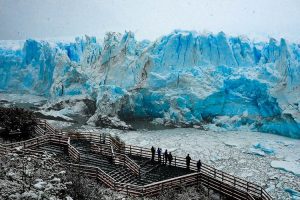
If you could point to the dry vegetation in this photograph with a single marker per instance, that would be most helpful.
(16, 124)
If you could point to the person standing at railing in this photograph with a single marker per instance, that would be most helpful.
(199, 164)
(165, 157)
(153, 153)
(170, 158)
(188, 161)
(159, 154)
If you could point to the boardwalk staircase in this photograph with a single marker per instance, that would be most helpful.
(128, 169)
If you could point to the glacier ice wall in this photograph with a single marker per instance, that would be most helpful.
(184, 78)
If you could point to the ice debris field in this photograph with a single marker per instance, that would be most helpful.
(183, 79)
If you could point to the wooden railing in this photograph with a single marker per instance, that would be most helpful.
(118, 145)
(122, 159)
(102, 149)
(4, 150)
(230, 180)
(238, 184)
(112, 147)
(129, 189)
(24, 147)
(132, 165)
(96, 172)
(210, 177)
(38, 141)
(39, 130)
(48, 128)
(73, 152)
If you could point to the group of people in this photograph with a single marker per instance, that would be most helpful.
(169, 157)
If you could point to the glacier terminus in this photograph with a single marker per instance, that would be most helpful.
(185, 79)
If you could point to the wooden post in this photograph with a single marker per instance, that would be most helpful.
(175, 161)
(222, 176)
(234, 181)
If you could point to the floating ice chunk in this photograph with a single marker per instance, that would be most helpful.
(231, 143)
(216, 157)
(295, 195)
(271, 188)
(246, 173)
(266, 149)
(288, 166)
(257, 152)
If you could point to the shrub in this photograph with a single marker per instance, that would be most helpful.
(16, 123)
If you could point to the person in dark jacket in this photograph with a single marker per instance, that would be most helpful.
(153, 153)
(159, 154)
(188, 161)
(170, 158)
(166, 157)
(199, 164)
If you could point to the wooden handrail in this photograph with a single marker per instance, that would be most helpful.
(227, 184)
(210, 171)
(113, 153)
(133, 165)
(129, 163)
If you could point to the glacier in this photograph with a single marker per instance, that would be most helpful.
(184, 79)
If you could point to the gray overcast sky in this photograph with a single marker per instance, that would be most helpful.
(21, 19)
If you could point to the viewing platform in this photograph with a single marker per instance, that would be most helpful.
(128, 169)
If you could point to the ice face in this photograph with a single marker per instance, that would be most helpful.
(183, 78)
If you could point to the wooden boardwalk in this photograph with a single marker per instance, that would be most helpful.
(128, 169)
